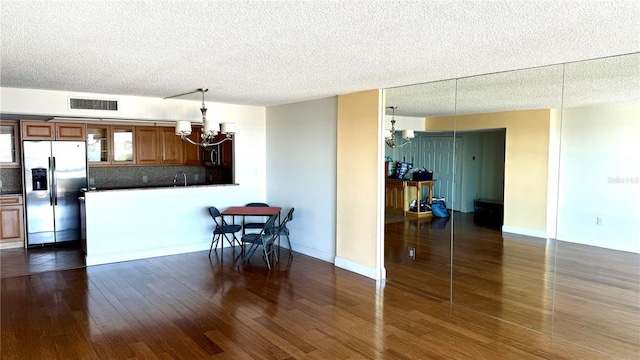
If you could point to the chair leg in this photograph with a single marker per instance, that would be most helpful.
(266, 256)
(289, 244)
(231, 242)
(214, 240)
(249, 253)
(275, 253)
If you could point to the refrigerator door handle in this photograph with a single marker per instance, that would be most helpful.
(50, 182)
(54, 183)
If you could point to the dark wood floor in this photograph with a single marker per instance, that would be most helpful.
(16, 262)
(585, 294)
(191, 307)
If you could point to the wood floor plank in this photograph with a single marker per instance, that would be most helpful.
(192, 307)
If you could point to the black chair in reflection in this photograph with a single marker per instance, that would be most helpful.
(282, 229)
(265, 238)
(222, 230)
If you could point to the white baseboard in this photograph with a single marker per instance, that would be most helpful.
(524, 231)
(357, 268)
(99, 259)
(309, 251)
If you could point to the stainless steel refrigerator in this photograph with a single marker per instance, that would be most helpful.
(54, 173)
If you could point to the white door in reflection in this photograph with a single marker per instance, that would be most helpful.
(438, 154)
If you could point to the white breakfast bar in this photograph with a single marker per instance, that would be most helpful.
(129, 224)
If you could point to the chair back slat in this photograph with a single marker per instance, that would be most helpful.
(270, 224)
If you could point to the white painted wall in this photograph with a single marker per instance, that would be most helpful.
(600, 177)
(301, 172)
(56, 104)
(135, 224)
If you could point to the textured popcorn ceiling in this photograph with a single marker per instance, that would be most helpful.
(267, 52)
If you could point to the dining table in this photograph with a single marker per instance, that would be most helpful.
(243, 211)
(234, 211)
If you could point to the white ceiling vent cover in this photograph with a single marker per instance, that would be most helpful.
(93, 104)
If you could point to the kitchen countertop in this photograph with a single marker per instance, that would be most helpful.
(157, 187)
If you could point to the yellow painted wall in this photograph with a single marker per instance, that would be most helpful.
(526, 160)
(357, 164)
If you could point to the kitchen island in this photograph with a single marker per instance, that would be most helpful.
(129, 224)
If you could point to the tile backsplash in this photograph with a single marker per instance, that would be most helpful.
(135, 176)
(11, 179)
(117, 177)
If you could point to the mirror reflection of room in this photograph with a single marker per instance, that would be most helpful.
(527, 240)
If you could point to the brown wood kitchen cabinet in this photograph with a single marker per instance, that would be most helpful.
(11, 221)
(147, 145)
(192, 153)
(158, 146)
(227, 153)
(41, 130)
(171, 147)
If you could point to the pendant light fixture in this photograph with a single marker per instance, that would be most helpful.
(210, 128)
(391, 138)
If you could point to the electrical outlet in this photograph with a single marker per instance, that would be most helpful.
(599, 220)
(144, 178)
(412, 253)
(92, 181)
(195, 177)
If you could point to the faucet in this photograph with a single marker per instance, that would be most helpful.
(175, 178)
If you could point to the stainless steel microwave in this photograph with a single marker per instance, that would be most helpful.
(212, 156)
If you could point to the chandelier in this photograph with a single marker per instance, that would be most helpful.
(210, 128)
(390, 135)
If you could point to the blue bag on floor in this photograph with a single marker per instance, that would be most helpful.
(439, 208)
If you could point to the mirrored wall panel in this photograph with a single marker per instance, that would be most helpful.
(418, 245)
(502, 263)
(541, 179)
(597, 282)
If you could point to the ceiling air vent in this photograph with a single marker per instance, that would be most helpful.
(93, 104)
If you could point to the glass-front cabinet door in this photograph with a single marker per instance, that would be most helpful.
(109, 145)
(123, 151)
(98, 144)
(9, 148)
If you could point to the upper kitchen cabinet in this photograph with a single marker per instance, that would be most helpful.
(122, 144)
(40, 130)
(171, 147)
(110, 145)
(192, 153)
(147, 145)
(226, 153)
(9, 144)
